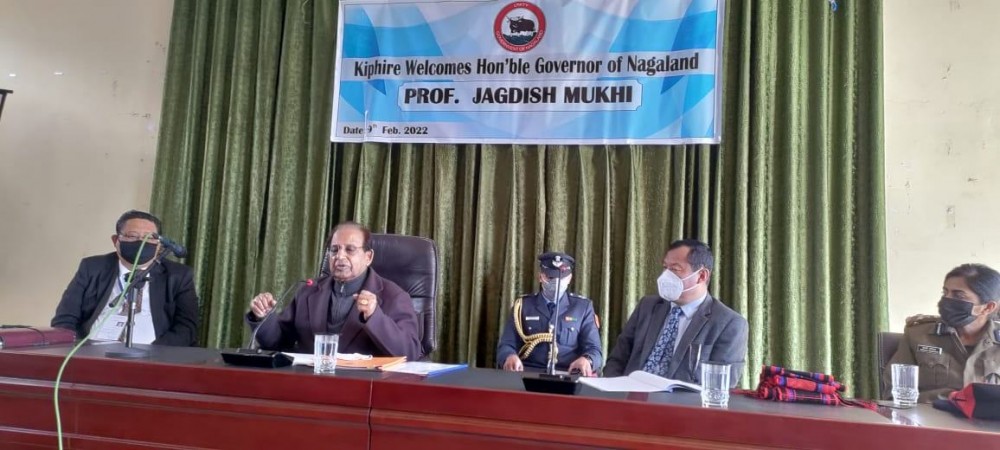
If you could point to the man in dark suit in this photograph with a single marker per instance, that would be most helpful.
(371, 314)
(167, 313)
(671, 334)
(526, 339)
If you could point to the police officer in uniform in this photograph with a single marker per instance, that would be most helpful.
(526, 338)
(962, 344)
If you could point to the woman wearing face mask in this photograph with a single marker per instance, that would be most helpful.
(960, 346)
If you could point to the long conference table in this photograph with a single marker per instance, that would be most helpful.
(189, 398)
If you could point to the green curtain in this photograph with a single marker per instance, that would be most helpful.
(791, 202)
(243, 157)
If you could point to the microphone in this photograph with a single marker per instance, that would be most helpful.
(139, 277)
(554, 325)
(253, 356)
(549, 382)
(177, 249)
(277, 304)
(129, 291)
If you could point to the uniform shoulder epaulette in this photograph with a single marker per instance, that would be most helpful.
(578, 296)
(921, 319)
(519, 298)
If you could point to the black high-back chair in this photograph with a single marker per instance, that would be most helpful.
(410, 262)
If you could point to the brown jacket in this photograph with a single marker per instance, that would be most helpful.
(390, 331)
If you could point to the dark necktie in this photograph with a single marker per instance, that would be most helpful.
(663, 351)
(137, 292)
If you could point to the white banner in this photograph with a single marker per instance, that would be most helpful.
(541, 72)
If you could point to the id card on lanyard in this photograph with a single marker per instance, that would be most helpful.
(114, 327)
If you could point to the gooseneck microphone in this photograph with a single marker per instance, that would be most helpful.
(253, 356)
(549, 382)
(131, 293)
(554, 325)
(177, 249)
(278, 304)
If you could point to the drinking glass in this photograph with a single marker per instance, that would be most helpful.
(325, 354)
(714, 384)
(904, 385)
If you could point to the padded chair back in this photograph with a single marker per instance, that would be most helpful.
(888, 342)
(410, 262)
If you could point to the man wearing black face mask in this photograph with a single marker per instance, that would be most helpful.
(166, 306)
(526, 339)
(962, 345)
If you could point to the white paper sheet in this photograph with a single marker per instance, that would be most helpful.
(425, 368)
(639, 381)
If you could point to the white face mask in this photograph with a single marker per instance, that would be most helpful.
(671, 286)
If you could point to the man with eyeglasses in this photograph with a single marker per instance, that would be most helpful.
(167, 313)
(372, 315)
(672, 333)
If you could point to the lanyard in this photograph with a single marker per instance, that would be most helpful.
(138, 299)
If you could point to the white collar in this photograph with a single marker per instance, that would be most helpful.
(123, 269)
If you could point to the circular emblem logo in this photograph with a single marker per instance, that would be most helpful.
(519, 26)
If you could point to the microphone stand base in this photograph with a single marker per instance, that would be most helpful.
(252, 357)
(552, 384)
(128, 353)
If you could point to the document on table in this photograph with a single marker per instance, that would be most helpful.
(428, 369)
(306, 359)
(639, 381)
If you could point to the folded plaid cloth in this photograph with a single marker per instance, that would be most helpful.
(804, 385)
(802, 381)
(784, 385)
(767, 391)
(814, 376)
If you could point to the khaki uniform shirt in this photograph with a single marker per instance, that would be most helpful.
(983, 365)
(945, 364)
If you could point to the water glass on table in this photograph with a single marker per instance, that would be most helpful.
(325, 353)
(904, 385)
(714, 384)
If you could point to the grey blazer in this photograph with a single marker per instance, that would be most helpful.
(721, 332)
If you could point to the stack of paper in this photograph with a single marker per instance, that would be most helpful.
(428, 369)
(639, 381)
(306, 359)
(376, 363)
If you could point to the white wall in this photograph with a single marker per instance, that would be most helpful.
(942, 69)
(76, 149)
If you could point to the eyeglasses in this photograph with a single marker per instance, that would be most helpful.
(133, 237)
(350, 250)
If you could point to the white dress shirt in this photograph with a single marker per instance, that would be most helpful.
(114, 326)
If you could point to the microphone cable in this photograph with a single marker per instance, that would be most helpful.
(97, 326)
